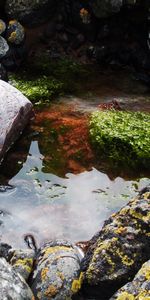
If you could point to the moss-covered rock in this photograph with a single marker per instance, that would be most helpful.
(117, 252)
(124, 137)
(57, 273)
(139, 288)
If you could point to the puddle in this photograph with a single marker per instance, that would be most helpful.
(50, 183)
(49, 207)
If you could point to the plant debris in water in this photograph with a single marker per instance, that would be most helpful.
(122, 136)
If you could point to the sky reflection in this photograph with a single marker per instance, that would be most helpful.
(49, 207)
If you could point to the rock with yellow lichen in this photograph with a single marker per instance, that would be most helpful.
(57, 272)
(139, 288)
(22, 262)
(15, 32)
(117, 252)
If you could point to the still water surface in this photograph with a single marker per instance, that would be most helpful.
(49, 206)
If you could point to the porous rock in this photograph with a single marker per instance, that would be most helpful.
(12, 285)
(30, 12)
(117, 252)
(57, 273)
(22, 262)
(15, 112)
(139, 288)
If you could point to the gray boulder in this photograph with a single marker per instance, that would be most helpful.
(139, 288)
(12, 285)
(15, 112)
(30, 12)
(117, 252)
(57, 273)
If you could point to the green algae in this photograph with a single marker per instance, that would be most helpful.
(123, 137)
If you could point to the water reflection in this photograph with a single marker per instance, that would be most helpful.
(48, 206)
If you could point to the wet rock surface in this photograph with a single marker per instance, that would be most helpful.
(12, 285)
(119, 249)
(57, 273)
(139, 288)
(15, 112)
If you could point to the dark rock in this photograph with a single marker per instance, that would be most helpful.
(57, 273)
(14, 57)
(78, 41)
(16, 109)
(3, 73)
(105, 8)
(119, 249)
(139, 288)
(12, 285)
(30, 13)
(5, 251)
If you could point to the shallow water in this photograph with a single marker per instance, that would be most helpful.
(51, 185)
(49, 206)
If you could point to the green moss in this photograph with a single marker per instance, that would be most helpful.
(35, 89)
(42, 79)
(123, 137)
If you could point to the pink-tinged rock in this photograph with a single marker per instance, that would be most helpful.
(15, 113)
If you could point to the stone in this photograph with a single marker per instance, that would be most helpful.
(117, 252)
(2, 26)
(5, 251)
(139, 288)
(15, 32)
(3, 73)
(22, 262)
(3, 47)
(28, 12)
(57, 272)
(15, 56)
(12, 285)
(105, 8)
(15, 112)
